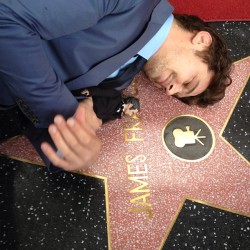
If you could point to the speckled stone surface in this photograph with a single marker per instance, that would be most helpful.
(237, 131)
(237, 36)
(39, 210)
(200, 226)
(145, 184)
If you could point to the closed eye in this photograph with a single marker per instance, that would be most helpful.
(187, 83)
(189, 91)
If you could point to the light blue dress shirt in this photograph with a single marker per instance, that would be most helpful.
(152, 46)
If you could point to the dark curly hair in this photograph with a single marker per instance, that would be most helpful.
(216, 57)
(134, 101)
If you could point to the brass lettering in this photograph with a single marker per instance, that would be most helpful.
(139, 188)
(135, 158)
(134, 87)
(143, 210)
(133, 138)
(138, 169)
(134, 127)
(143, 201)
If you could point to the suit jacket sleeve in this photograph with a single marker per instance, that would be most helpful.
(24, 67)
(97, 91)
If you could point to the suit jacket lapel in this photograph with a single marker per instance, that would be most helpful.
(107, 67)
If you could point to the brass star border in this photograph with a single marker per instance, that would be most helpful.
(200, 202)
(232, 111)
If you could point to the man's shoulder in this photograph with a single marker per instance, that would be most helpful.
(121, 5)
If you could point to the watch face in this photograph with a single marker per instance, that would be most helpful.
(188, 138)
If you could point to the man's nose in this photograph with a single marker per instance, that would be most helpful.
(173, 88)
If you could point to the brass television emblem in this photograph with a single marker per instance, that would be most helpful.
(189, 138)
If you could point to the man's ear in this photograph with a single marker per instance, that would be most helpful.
(202, 39)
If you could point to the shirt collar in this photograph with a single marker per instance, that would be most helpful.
(157, 40)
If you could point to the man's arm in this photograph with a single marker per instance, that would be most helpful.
(24, 67)
(104, 92)
(25, 70)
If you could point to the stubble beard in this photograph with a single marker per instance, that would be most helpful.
(153, 68)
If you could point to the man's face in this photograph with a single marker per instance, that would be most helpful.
(178, 72)
(129, 111)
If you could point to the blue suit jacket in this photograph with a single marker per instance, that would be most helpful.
(50, 47)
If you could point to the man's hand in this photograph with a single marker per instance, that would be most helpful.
(75, 138)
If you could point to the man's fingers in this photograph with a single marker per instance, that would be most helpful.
(68, 137)
(88, 141)
(79, 145)
(54, 157)
(58, 139)
(65, 141)
(83, 134)
(75, 139)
